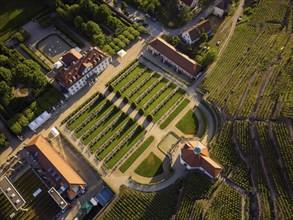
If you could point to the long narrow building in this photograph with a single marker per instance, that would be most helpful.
(169, 54)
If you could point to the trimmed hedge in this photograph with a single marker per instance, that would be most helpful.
(35, 57)
(69, 34)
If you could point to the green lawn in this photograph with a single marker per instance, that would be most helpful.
(159, 99)
(14, 13)
(134, 84)
(188, 124)
(113, 115)
(127, 129)
(99, 102)
(174, 114)
(126, 147)
(151, 166)
(129, 77)
(167, 106)
(144, 87)
(136, 154)
(151, 93)
(104, 110)
(110, 133)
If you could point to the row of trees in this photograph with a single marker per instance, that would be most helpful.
(16, 72)
(3, 140)
(79, 15)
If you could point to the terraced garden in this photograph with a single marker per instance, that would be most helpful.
(146, 91)
(39, 207)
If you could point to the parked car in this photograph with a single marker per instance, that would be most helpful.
(145, 24)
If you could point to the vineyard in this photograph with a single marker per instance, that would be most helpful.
(40, 207)
(252, 85)
(225, 205)
(138, 205)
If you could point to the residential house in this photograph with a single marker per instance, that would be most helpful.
(56, 167)
(192, 35)
(80, 68)
(169, 54)
(194, 155)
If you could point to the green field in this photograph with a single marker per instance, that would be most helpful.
(14, 13)
(188, 124)
(136, 154)
(151, 166)
(174, 114)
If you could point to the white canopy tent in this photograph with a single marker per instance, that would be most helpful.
(121, 53)
(57, 65)
(39, 121)
(93, 201)
(54, 132)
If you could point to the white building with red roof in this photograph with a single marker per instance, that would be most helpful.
(194, 155)
(80, 68)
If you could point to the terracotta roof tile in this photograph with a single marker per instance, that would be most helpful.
(175, 56)
(73, 71)
(201, 27)
(68, 173)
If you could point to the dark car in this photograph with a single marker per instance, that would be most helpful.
(145, 24)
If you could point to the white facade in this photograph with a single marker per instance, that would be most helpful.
(218, 11)
(194, 168)
(165, 59)
(186, 38)
(87, 73)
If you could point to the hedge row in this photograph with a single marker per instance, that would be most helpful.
(35, 57)
(69, 34)
(80, 107)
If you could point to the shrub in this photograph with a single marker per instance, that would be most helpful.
(118, 94)
(125, 100)
(150, 118)
(35, 57)
(133, 105)
(110, 88)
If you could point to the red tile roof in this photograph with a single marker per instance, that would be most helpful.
(201, 27)
(76, 64)
(201, 159)
(67, 172)
(175, 56)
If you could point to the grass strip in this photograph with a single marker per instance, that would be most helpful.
(134, 84)
(143, 88)
(174, 114)
(86, 114)
(128, 78)
(129, 127)
(167, 106)
(136, 154)
(128, 145)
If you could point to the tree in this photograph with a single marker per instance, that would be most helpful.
(5, 75)
(175, 41)
(124, 6)
(16, 128)
(22, 120)
(204, 37)
(115, 2)
(4, 60)
(78, 21)
(104, 12)
(185, 14)
(3, 140)
(207, 58)
(5, 92)
(151, 9)
(98, 39)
